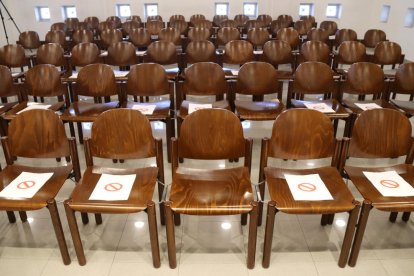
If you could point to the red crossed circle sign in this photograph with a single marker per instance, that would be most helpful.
(113, 187)
(25, 184)
(389, 183)
(307, 187)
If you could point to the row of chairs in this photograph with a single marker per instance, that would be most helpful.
(210, 134)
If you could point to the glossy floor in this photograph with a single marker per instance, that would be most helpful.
(205, 245)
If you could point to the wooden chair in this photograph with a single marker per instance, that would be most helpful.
(307, 134)
(93, 22)
(154, 27)
(196, 17)
(164, 53)
(289, 35)
(135, 18)
(116, 19)
(310, 18)
(29, 40)
(314, 51)
(228, 23)
(403, 84)
(372, 37)
(240, 20)
(318, 34)
(218, 19)
(238, 52)
(39, 134)
(13, 56)
(121, 54)
(250, 24)
(109, 37)
(388, 54)
(379, 133)
(154, 18)
(151, 80)
(277, 25)
(199, 51)
(59, 26)
(349, 52)
(141, 38)
(82, 36)
(71, 24)
(84, 54)
(105, 25)
(128, 26)
(180, 25)
(206, 24)
(53, 53)
(330, 26)
(198, 34)
(286, 18)
(171, 35)
(227, 34)
(8, 88)
(257, 79)
(58, 37)
(211, 134)
(302, 27)
(279, 53)
(108, 130)
(344, 35)
(265, 18)
(258, 37)
(176, 17)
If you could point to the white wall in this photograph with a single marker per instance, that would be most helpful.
(359, 15)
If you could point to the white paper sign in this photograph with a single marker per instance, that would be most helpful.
(321, 107)
(307, 187)
(146, 109)
(31, 106)
(234, 72)
(390, 183)
(25, 185)
(74, 76)
(118, 73)
(258, 52)
(367, 106)
(140, 53)
(113, 187)
(194, 107)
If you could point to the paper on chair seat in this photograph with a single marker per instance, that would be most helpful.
(234, 72)
(74, 76)
(118, 73)
(140, 53)
(258, 52)
(321, 107)
(146, 109)
(26, 185)
(367, 106)
(113, 187)
(194, 107)
(390, 183)
(31, 106)
(307, 187)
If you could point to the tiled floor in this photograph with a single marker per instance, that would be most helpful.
(205, 245)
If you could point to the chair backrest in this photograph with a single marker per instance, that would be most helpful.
(313, 78)
(199, 51)
(179, 25)
(302, 26)
(84, 26)
(207, 24)
(228, 23)
(240, 19)
(8, 86)
(380, 133)
(82, 36)
(135, 18)
(204, 78)
(345, 35)
(196, 17)
(277, 52)
(121, 54)
(37, 134)
(307, 134)
(257, 78)
(258, 36)
(197, 34)
(315, 51)
(318, 34)
(13, 56)
(217, 19)
(154, 18)
(238, 52)
(350, 52)
(29, 40)
(154, 26)
(211, 134)
(289, 35)
(373, 36)
(84, 54)
(330, 26)
(250, 24)
(92, 21)
(122, 134)
(56, 37)
(140, 37)
(51, 53)
(387, 53)
(106, 25)
(129, 25)
(96, 80)
(277, 25)
(162, 52)
(265, 18)
(285, 17)
(116, 19)
(309, 18)
(177, 17)
(43, 80)
(147, 79)
(110, 36)
(404, 79)
(59, 26)
(171, 35)
(227, 34)
(72, 24)
(364, 78)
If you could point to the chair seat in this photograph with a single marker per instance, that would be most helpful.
(258, 111)
(280, 193)
(284, 75)
(407, 106)
(86, 112)
(161, 111)
(141, 193)
(7, 106)
(370, 193)
(355, 109)
(39, 200)
(224, 104)
(11, 113)
(340, 110)
(211, 192)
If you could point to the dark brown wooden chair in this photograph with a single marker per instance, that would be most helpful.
(258, 37)
(171, 35)
(290, 35)
(176, 17)
(227, 34)
(286, 18)
(151, 80)
(197, 34)
(39, 134)
(92, 22)
(206, 24)
(13, 56)
(154, 18)
(310, 18)
(180, 25)
(199, 51)
(58, 37)
(29, 40)
(211, 134)
(154, 27)
(106, 25)
(217, 19)
(314, 51)
(330, 26)
(164, 53)
(109, 37)
(84, 54)
(250, 24)
(136, 18)
(307, 134)
(59, 26)
(95, 81)
(349, 52)
(238, 52)
(82, 36)
(240, 20)
(121, 54)
(228, 23)
(258, 79)
(141, 38)
(53, 53)
(196, 17)
(387, 53)
(379, 133)
(85, 26)
(279, 53)
(116, 19)
(71, 24)
(344, 35)
(128, 26)
(277, 25)
(318, 34)
(134, 130)
(8, 88)
(302, 27)
(403, 84)
(373, 36)
(265, 18)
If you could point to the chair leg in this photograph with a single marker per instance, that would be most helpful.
(324, 219)
(270, 223)
(349, 235)
(251, 244)
(85, 218)
(406, 216)
(57, 225)
(74, 231)
(260, 214)
(11, 216)
(177, 219)
(362, 224)
(23, 216)
(160, 193)
(98, 218)
(169, 225)
(72, 129)
(152, 225)
(169, 132)
(393, 216)
(331, 218)
(243, 219)
(80, 132)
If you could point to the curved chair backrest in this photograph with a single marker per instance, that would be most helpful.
(72, 24)
(110, 36)
(265, 18)
(179, 25)
(227, 34)
(116, 19)
(196, 17)
(84, 54)
(56, 37)
(135, 18)
(241, 19)
(404, 79)
(140, 37)
(162, 52)
(289, 35)
(82, 36)
(258, 36)
(121, 54)
(364, 78)
(92, 21)
(238, 52)
(129, 25)
(204, 78)
(285, 17)
(59, 26)
(373, 36)
(13, 56)
(318, 34)
(345, 35)
(350, 52)
(257, 78)
(277, 25)
(228, 23)
(171, 35)
(302, 26)
(330, 26)
(96, 80)
(51, 53)
(43, 80)
(147, 79)
(387, 53)
(154, 26)
(277, 52)
(7, 87)
(177, 17)
(314, 78)
(315, 51)
(29, 40)
(199, 51)
(154, 18)
(197, 34)
(217, 19)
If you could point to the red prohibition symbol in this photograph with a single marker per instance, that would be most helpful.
(307, 187)
(113, 187)
(389, 183)
(25, 185)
